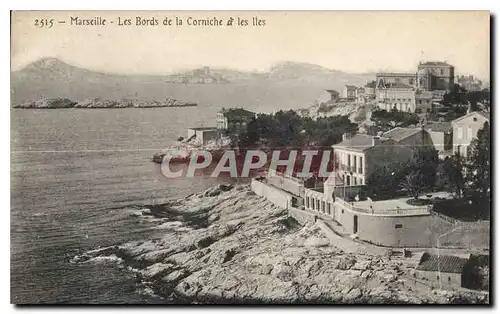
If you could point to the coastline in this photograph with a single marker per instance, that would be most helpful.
(98, 103)
(228, 245)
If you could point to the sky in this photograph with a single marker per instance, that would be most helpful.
(362, 41)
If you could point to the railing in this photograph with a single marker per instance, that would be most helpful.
(407, 211)
(313, 193)
(282, 175)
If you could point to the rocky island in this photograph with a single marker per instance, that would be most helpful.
(228, 245)
(98, 103)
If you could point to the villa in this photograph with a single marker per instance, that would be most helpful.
(356, 157)
(465, 130)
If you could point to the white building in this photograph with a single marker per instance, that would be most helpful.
(465, 130)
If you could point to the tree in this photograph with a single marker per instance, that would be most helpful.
(479, 163)
(386, 120)
(454, 175)
(456, 96)
(425, 162)
(384, 181)
(413, 183)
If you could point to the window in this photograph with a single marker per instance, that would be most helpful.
(323, 206)
(449, 279)
(329, 208)
(354, 163)
(312, 204)
(469, 133)
(342, 211)
(307, 202)
(460, 133)
(317, 205)
(355, 181)
(360, 164)
(398, 226)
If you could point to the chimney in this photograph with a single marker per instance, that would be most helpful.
(345, 137)
(375, 140)
(468, 108)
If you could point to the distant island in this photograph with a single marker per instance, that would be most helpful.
(197, 76)
(98, 103)
(295, 84)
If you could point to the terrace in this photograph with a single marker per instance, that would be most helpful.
(392, 207)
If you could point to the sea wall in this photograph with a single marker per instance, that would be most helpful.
(395, 231)
(274, 195)
(348, 245)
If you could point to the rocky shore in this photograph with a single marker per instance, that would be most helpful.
(228, 245)
(98, 103)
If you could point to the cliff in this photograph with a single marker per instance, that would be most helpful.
(228, 245)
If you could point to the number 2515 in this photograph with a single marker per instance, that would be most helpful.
(48, 23)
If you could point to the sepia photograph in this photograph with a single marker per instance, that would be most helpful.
(250, 157)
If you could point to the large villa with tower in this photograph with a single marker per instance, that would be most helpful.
(402, 91)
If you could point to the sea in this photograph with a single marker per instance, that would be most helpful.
(74, 173)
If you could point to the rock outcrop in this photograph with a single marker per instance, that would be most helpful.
(98, 103)
(48, 103)
(228, 245)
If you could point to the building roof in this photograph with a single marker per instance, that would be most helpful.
(350, 86)
(442, 263)
(432, 63)
(360, 142)
(237, 112)
(332, 91)
(483, 114)
(438, 126)
(399, 134)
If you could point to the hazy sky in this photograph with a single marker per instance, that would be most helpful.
(348, 41)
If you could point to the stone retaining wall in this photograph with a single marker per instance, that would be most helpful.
(348, 245)
(302, 216)
(274, 195)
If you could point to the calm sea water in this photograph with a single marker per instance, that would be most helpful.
(72, 174)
